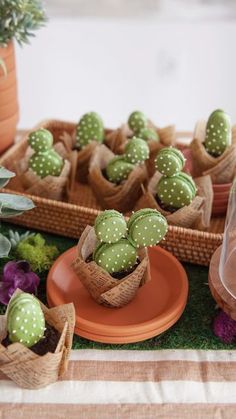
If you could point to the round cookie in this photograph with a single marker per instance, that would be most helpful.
(40, 140)
(115, 257)
(137, 121)
(218, 133)
(149, 134)
(25, 320)
(46, 163)
(147, 227)
(169, 161)
(176, 191)
(136, 151)
(118, 169)
(110, 226)
(89, 128)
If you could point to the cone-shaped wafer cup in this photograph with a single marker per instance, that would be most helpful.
(120, 197)
(32, 371)
(102, 287)
(197, 212)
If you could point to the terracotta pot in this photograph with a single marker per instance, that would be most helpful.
(8, 98)
(9, 110)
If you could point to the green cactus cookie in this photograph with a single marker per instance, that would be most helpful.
(45, 161)
(147, 227)
(89, 128)
(115, 257)
(169, 161)
(218, 133)
(136, 151)
(110, 226)
(118, 169)
(176, 191)
(149, 134)
(25, 320)
(137, 121)
(40, 140)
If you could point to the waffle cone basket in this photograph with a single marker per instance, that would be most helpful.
(120, 197)
(32, 371)
(102, 287)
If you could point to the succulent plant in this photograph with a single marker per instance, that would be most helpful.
(15, 238)
(10, 206)
(45, 161)
(19, 19)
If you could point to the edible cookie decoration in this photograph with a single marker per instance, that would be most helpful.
(110, 226)
(149, 134)
(118, 251)
(175, 189)
(136, 151)
(89, 128)
(218, 133)
(147, 227)
(118, 169)
(137, 121)
(169, 161)
(25, 320)
(116, 257)
(45, 161)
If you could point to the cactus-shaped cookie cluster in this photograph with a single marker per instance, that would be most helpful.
(89, 128)
(218, 133)
(138, 123)
(25, 320)
(175, 189)
(45, 160)
(118, 241)
(119, 168)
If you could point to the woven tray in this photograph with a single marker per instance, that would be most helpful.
(70, 219)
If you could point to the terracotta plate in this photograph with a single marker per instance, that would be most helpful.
(155, 308)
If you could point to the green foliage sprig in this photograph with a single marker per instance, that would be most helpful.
(19, 19)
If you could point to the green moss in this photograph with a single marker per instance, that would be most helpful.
(192, 331)
(35, 250)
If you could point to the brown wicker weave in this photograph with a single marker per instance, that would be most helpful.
(70, 219)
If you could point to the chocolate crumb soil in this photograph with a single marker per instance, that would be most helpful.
(117, 275)
(47, 344)
(165, 207)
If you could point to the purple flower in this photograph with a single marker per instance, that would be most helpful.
(17, 275)
(224, 327)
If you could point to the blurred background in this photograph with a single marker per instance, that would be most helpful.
(172, 59)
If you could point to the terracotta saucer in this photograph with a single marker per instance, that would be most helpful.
(155, 308)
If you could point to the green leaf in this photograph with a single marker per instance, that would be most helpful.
(5, 176)
(15, 202)
(5, 246)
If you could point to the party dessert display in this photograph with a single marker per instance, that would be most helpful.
(173, 192)
(117, 180)
(45, 160)
(35, 341)
(45, 168)
(112, 259)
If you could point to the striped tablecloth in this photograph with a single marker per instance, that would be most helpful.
(132, 384)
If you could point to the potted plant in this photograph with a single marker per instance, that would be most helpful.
(18, 20)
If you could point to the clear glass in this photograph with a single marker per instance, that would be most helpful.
(227, 267)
